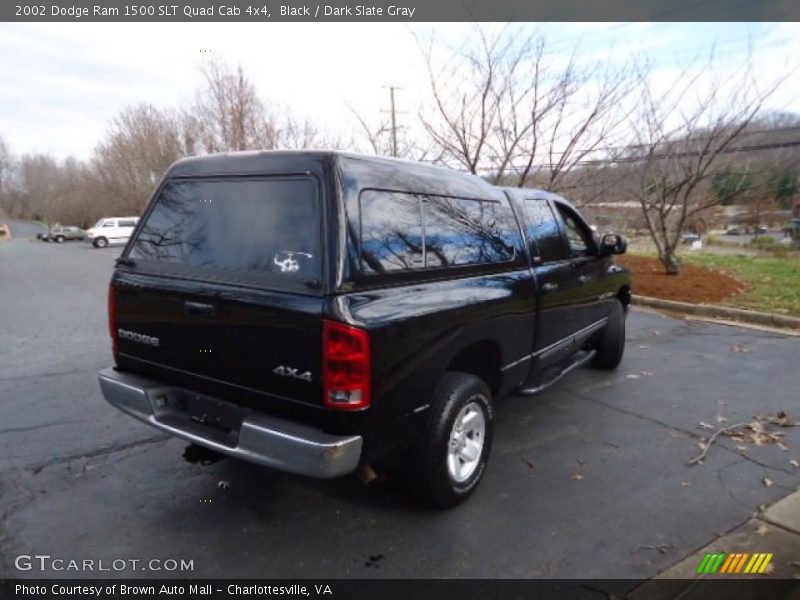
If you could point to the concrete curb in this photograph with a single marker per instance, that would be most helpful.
(776, 530)
(720, 312)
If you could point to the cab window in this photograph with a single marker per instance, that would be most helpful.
(579, 237)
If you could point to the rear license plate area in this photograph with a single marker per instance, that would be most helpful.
(209, 417)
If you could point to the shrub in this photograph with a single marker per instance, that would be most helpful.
(764, 240)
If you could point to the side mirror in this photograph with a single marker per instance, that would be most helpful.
(613, 244)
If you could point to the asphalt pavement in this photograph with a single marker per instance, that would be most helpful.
(589, 479)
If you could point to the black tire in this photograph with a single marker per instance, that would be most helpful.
(611, 344)
(60, 239)
(100, 242)
(457, 394)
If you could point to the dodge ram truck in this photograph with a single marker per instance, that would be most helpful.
(317, 312)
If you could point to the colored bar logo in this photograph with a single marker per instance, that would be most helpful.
(736, 562)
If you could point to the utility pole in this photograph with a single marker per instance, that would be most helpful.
(394, 123)
(393, 112)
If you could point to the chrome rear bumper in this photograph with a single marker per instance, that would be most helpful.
(230, 429)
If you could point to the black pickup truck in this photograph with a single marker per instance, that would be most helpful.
(319, 311)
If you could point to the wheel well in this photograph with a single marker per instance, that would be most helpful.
(482, 359)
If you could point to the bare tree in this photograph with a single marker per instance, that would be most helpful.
(681, 133)
(40, 189)
(376, 137)
(294, 133)
(228, 113)
(139, 146)
(504, 107)
(6, 165)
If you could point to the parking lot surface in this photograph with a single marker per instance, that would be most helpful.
(589, 479)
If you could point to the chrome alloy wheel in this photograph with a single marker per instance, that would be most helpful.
(466, 442)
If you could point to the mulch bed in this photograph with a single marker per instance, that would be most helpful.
(695, 284)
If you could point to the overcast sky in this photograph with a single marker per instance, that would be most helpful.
(61, 83)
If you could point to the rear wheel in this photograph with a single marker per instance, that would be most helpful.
(611, 344)
(60, 239)
(451, 457)
(100, 242)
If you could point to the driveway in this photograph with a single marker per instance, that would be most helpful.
(589, 479)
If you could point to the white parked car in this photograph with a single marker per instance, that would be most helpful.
(112, 230)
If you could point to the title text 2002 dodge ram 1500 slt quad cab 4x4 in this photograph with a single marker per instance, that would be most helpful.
(317, 311)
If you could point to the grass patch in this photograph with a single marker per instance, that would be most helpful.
(775, 281)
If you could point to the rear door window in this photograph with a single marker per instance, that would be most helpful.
(243, 228)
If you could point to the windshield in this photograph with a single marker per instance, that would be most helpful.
(99, 223)
(242, 225)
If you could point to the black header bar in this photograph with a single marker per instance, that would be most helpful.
(398, 10)
(394, 589)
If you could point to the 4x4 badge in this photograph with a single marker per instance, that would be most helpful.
(290, 372)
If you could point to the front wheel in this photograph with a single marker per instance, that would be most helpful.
(611, 344)
(100, 242)
(60, 239)
(451, 457)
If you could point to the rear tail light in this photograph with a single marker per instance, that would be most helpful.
(112, 316)
(345, 366)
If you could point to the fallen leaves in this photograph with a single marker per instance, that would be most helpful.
(795, 464)
(781, 419)
(767, 482)
(738, 348)
(758, 434)
(577, 476)
(762, 530)
(755, 432)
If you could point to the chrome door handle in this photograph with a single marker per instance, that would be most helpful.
(549, 287)
(583, 278)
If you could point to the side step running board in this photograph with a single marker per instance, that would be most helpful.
(579, 360)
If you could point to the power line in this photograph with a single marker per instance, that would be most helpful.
(641, 158)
